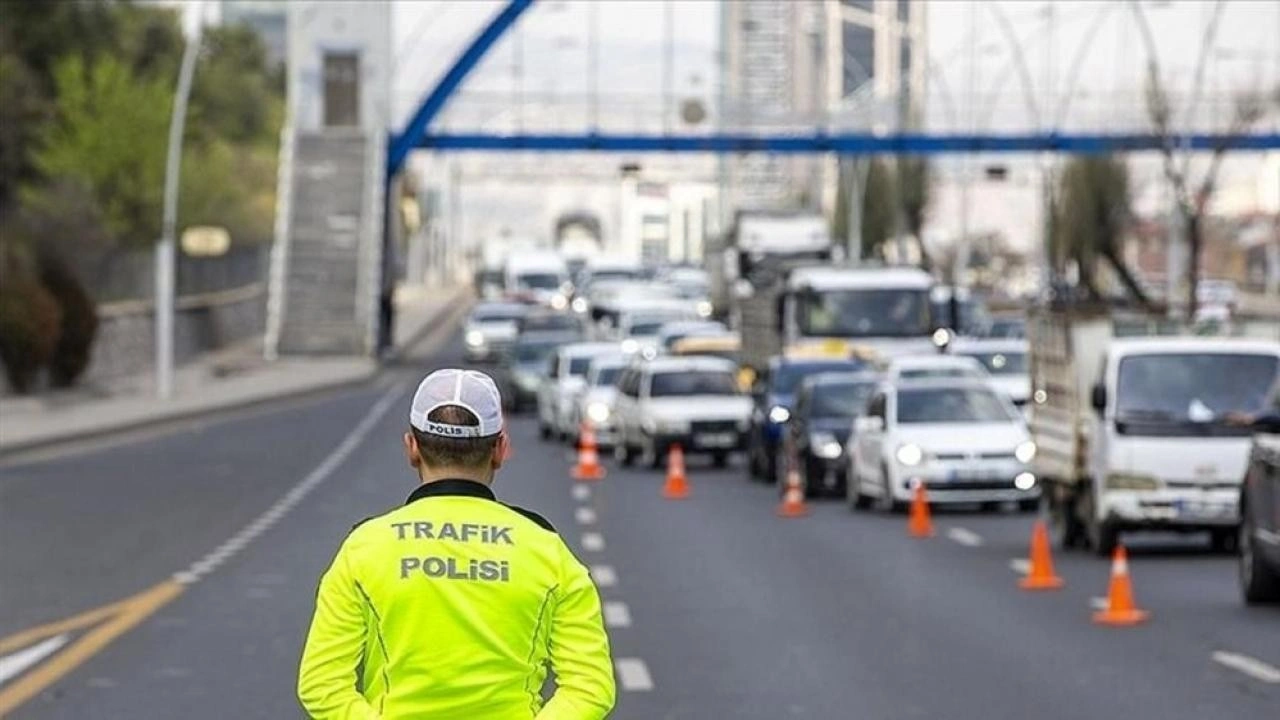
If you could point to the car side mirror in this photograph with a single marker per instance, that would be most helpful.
(1098, 398)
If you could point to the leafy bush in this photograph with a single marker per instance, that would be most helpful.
(29, 321)
(79, 322)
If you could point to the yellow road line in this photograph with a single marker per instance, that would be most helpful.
(122, 617)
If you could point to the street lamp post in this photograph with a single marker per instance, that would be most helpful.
(165, 252)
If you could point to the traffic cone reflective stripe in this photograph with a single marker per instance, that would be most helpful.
(919, 523)
(588, 467)
(677, 485)
(793, 504)
(1121, 609)
(1041, 575)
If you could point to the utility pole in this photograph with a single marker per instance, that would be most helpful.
(165, 248)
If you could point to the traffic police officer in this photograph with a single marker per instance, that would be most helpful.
(453, 605)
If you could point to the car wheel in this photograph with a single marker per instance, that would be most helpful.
(544, 431)
(753, 463)
(720, 459)
(1224, 541)
(1066, 524)
(772, 467)
(1259, 582)
(649, 456)
(886, 502)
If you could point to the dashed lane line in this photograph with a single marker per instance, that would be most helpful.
(16, 663)
(1252, 667)
(633, 675)
(604, 575)
(1022, 566)
(965, 537)
(581, 492)
(617, 614)
(290, 500)
(592, 541)
(585, 516)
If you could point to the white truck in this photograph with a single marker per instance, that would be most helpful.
(869, 312)
(1139, 432)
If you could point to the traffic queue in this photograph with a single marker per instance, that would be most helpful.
(1086, 417)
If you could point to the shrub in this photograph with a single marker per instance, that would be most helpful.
(29, 321)
(79, 321)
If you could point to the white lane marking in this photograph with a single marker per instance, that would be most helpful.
(968, 538)
(604, 575)
(617, 614)
(1252, 667)
(585, 516)
(633, 675)
(1022, 566)
(581, 492)
(1099, 603)
(289, 500)
(592, 541)
(15, 664)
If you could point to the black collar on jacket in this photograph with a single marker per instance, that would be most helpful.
(451, 487)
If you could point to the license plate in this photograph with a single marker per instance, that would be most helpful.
(966, 474)
(716, 440)
(1200, 509)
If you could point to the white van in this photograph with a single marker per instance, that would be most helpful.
(538, 275)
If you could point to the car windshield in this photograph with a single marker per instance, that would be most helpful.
(693, 382)
(787, 376)
(617, 274)
(539, 281)
(526, 353)
(497, 316)
(607, 376)
(549, 322)
(1176, 393)
(1007, 328)
(578, 366)
(840, 400)
(646, 325)
(1002, 363)
(937, 372)
(951, 405)
(864, 313)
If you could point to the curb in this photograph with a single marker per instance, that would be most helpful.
(448, 314)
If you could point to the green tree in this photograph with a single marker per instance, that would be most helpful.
(1091, 216)
(879, 207)
(110, 134)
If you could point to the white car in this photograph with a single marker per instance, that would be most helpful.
(965, 441)
(491, 329)
(639, 324)
(595, 403)
(1005, 361)
(924, 367)
(566, 376)
(690, 401)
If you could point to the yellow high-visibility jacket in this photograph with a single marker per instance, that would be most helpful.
(452, 606)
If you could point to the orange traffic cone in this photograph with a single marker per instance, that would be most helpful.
(919, 523)
(1041, 576)
(1120, 609)
(793, 504)
(588, 467)
(677, 485)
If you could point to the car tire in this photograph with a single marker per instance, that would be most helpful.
(544, 431)
(886, 502)
(1067, 529)
(649, 456)
(1259, 582)
(720, 460)
(623, 453)
(771, 464)
(1224, 541)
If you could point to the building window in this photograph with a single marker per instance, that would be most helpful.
(904, 11)
(859, 55)
(868, 5)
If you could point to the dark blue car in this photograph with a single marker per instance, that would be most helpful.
(774, 393)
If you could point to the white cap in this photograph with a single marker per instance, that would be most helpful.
(472, 391)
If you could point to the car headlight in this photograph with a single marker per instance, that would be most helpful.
(559, 302)
(579, 305)
(704, 308)
(475, 338)
(910, 454)
(598, 412)
(779, 414)
(1131, 481)
(527, 381)
(1024, 481)
(825, 446)
(1025, 452)
(630, 345)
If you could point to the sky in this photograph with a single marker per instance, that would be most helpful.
(974, 78)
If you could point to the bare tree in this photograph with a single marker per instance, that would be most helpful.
(913, 194)
(1191, 199)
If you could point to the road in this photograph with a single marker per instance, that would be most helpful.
(718, 608)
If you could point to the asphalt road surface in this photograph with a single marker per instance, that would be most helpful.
(214, 533)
